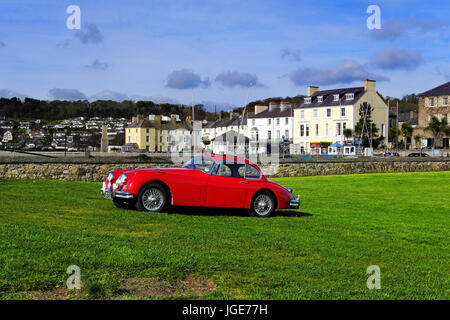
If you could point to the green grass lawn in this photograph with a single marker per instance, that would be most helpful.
(399, 222)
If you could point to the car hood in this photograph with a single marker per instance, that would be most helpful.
(162, 170)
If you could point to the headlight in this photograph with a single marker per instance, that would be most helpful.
(122, 179)
(289, 190)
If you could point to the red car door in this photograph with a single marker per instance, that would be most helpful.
(227, 187)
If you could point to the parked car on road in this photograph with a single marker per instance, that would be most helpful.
(391, 154)
(204, 181)
(418, 154)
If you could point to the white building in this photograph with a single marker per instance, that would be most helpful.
(323, 116)
(212, 130)
(7, 137)
(270, 125)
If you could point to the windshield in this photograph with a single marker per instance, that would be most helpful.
(200, 163)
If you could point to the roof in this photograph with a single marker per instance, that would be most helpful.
(231, 135)
(274, 113)
(406, 117)
(441, 90)
(328, 97)
(157, 125)
(217, 157)
(234, 121)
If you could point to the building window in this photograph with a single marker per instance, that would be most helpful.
(160, 139)
(326, 129)
(302, 130)
(147, 130)
(342, 112)
(147, 138)
(328, 113)
(302, 114)
(286, 120)
(349, 96)
(344, 125)
(336, 97)
(315, 113)
(307, 130)
(253, 122)
(445, 101)
(278, 121)
(278, 134)
(269, 135)
(431, 100)
(317, 130)
(286, 134)
(269, 121)
(136, 139)
(129, 139)
(320, 99)
(307, 100)
(338, 129)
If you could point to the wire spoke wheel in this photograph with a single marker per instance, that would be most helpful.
(152, 199)
(263, 204)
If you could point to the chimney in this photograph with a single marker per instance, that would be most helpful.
(285, 105)
(188, 118)
(158, 119)
(231, 115)
(273, 105)
(220, 115)
(260, 108)
(173, 118)
(312, 89)
(370, 85)
(138, 117)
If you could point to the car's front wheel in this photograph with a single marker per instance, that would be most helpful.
(263, 204)
(152, 198)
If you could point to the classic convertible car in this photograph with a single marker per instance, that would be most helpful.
(204, 181)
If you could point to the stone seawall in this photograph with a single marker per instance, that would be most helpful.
(91, 170)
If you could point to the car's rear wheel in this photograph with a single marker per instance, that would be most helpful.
(120, 203)
(152, 198)
(263, 204)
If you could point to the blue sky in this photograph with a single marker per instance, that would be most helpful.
(160, 50)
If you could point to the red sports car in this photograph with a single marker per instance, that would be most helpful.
(204, 181)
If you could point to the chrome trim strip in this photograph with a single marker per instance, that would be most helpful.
(123, 195)
(295, 204)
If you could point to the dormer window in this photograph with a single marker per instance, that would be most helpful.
(335, 97)
(320, 99)
(349, 96)
(307, 100)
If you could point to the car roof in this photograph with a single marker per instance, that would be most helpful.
(217, 157)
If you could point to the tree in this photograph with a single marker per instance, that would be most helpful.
(365, 126)
(407, 131)
(394, 132)
(348, 133)
(437, 128)
(417, 139)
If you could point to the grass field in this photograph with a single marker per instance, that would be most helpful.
(399, 222)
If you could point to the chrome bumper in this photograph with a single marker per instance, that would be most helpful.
(110, 194)
(295, 204)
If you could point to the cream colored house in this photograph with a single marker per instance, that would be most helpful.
(320, 120)
(155, 135)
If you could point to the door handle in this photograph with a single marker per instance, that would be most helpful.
(244, 182)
